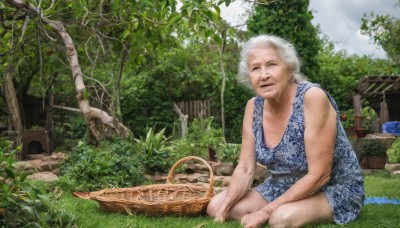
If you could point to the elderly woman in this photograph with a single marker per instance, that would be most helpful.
(293, 127)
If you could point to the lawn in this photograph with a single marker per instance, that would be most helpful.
(378, 184)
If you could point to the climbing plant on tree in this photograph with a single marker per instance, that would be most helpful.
(291, 20)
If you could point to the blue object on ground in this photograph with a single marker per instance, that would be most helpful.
(392, 127)
(381, 200)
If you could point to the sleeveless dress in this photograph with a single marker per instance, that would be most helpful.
(287, 161)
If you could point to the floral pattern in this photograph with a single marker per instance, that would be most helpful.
(287, 161)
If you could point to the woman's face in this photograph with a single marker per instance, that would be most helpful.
(269, 75)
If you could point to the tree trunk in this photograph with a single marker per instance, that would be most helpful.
(117, 84)
(12, 104)
(222, 65)
(183, 119)
(98, 121)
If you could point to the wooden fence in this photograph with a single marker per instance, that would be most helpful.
(197, 109)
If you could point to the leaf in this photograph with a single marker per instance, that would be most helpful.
(175, 19)
(9, 173)
(126, 33)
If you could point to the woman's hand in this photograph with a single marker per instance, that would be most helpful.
(255, 219)
(221, 216)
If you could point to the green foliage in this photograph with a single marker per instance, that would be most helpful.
(373, 148)
(369, 117)
(111, 165)
(340, 72)
(73, 127)
(5, 144)
(157, 155)
(384, 30)
(394, 152)
(230, 153)
(22, 204)
(201, 136)
(290, 20)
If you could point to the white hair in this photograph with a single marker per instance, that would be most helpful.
(286, 51)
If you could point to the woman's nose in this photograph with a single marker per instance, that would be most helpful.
(264, 74)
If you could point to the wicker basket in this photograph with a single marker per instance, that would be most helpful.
(157, 199)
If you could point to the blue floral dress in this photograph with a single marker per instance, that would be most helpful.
(287, 161)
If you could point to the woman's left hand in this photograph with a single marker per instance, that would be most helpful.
(254, 219)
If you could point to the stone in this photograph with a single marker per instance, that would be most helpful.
(193, 178)
(44, 176)
(47, 165)
(397, 172)
(203, 178)
(21, 166)
(224, 169)
(392, 167)
(222, 181)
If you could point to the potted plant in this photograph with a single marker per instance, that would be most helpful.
(374, 154)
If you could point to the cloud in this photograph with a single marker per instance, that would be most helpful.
(340, 20)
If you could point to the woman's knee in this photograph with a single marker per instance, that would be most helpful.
(284, 216)
(214, 204)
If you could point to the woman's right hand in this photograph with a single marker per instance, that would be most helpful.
(221, 215)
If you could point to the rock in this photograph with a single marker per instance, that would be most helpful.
(21, 166)
(392, 167)
(44, 176)
(193, 178)
(397, 172)
(47, 165)
(222, 181)
(203, 178)
(224, 169)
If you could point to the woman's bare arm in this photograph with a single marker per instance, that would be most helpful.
(243, 174)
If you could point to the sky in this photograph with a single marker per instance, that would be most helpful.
(340, 20)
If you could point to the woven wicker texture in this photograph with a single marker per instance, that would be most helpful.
(157, 199)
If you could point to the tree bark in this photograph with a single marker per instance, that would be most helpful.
(12, 104)
(183, 119)
(222, 66)
(90, 114)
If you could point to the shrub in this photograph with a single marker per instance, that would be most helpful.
(230, 153)
(201, 136)
(373, 148)
(110, 165)
(156, 153)
(22, 204)
(394, 152)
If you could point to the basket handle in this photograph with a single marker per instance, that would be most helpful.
(171, 173)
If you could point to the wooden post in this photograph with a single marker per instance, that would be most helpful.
(358, 114)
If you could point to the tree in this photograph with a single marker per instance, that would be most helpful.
(340, 72)
(290, 20)
(127, 23)
(385, 31)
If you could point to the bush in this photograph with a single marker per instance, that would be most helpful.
(111, 165)
(22, 204)
(373, 148)
(199, 138)
(230, 153)
(394, 152)
(156, 153)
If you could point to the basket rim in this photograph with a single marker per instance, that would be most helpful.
(171, 173)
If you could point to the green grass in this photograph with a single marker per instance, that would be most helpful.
(377, 185)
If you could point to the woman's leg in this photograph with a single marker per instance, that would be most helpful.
(312, 210)
(252, 201)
